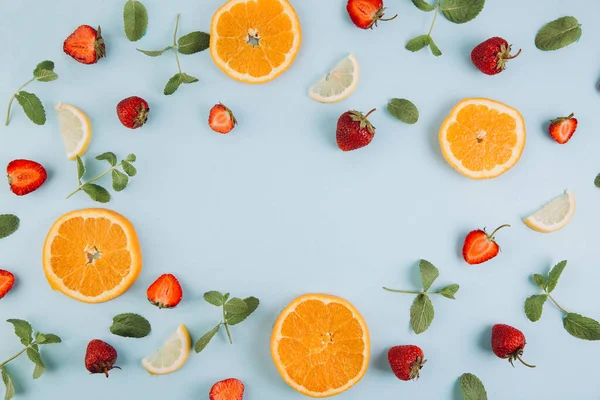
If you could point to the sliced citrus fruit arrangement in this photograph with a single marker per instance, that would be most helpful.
(255, 41)
(75, 129)
(482, 138)
(553, 216)
(172, 355)
(320, 345)
(339, 83)
(92, 255)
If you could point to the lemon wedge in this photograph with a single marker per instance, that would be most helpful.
(554, 215)
(75, 128)
(339, 83)
(172, 355)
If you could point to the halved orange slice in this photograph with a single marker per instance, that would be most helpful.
(320, 345)
(255, 41)
(482, 138)
(92, 255)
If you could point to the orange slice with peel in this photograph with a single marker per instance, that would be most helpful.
(482, 138)
(255, 41)
(92, 255)
(320, 345)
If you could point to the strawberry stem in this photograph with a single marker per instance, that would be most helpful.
(523, 362)
(388, 19)
(13, 98)
(515, 56)
(370, 112)
(491, 236)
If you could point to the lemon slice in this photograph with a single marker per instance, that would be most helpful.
(554, 215)
(75, 128)
(337, 84)
(172, 355)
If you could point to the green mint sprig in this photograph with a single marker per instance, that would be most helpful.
(24, 332)
(472, 388)
(191, 43)
(421, 311)
(9, 224)
(577, 325)
(135, 20)
(130, 325)
(120, 180)
(235, 311)
(457, 11)
(403, 110)
(31, 104)
(558, 34)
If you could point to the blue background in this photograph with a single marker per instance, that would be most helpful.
(275, 210)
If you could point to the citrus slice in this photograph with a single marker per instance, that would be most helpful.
(554, 215)
(320, 345)
(482, 138)
(255, 41)
(172, 355)
(75, 128)
(92, 255)
(339, 83)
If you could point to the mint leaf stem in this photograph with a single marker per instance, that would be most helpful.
(435, 13)
(13, 99)
(408, 291)
(226, 326)
(175, 43)
(556, 304)
(16, 355)
(94, 179)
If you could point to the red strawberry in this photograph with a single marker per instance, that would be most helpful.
(490, 56)
(100, 357)
(85, 45)
(508, 342)
(480, 247)
(221, 119)
(25, 176)
(165, 292)
(366, 13)
(354, 130)
(7, 280)
(133, 112)
(406, 361)
(562, 128)
(229, 389)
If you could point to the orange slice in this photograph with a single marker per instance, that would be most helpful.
(255, 41)
(320, 345)
(482, 138)
(92, 255)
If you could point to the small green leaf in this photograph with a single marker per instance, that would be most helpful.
(193, 42)
(421, 314)
(128, 168)
(119, 180)
(205, 340)
(461, 11)
(252, 304)
(10, 387)
(188, 78)
(597, 181)
(554, 275)
(236, 306)
(108, 156)
(46, 338)
(429, 274)
(472, 388)
(130, 157)
(558, 34)
(449, 291)
(44, 72)
(34, 356)
(417, 43)
(130, 325)
(582, 327)
(225, 297)
(96, 192)
(135, 20)
(423, 5)
(541, 281)
(23, 330)
(155, 53)
(32, 106)
(173, 84)
(534, 306)
(45, 65)
(80, 167)
(404, 110)
(215, 298)
(9, 224)
(433, 47)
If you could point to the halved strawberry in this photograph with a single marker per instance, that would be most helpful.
(85, 45)
(221, 119)
(480, 247)
(25, 176)
(165, 292)
(229, 389)
(562, 128)
(366, 13)
(7, 280)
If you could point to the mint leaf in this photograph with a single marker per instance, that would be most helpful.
(234, 319)
(188, 78)
(541, 281)
(555, 275)
(46, 338)
(135, 20)
(582, 327)
(534, 306)
(429, 274)
(155, 53)
(9, 224)
(193, 42)
(34, 355)
(421, 314)
(130, 325)
(32, 106)
(119, 180)
(461, 11)
(417, 43)
(225, 297)
(10, 387)
(597, 181)
(215, 298)
(472, 388)
(449, 291)
(205, 340)
(96, 192)
(236, 306)
(108, 156)
(433, 47)
(80, 167)
(423, 5)
(130, 157)
(23, 330)
(404, 110)
(44, 72)
(128, 168)
(173, 84)
(558, 34)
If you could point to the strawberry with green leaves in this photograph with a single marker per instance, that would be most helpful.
(354, 130)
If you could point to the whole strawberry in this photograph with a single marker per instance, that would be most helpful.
(221, 119)
(354, 130)
(508, 342)
(85, 45)
(133, 112)
(480, 247)
(25, 176)
(490, 56)
(366, 13)
(100, 357)
(406, 361)
(562, 128)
